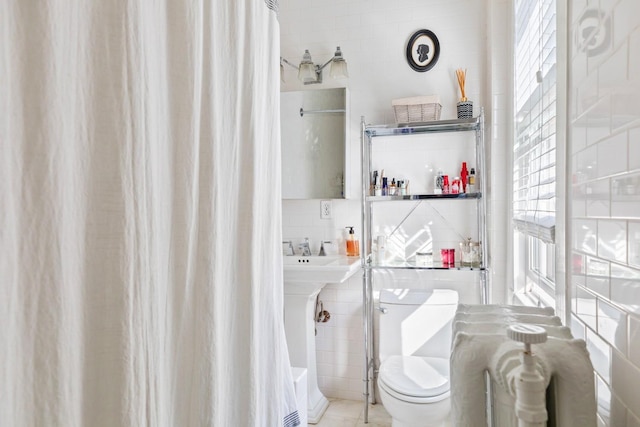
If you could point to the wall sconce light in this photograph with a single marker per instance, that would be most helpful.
(310, 73)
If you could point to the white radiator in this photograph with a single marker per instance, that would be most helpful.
(481, 350)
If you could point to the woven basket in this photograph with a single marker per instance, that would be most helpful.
(417, 109)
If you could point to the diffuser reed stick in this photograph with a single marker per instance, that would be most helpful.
(461, 75)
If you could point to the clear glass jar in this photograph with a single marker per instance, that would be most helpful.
(470, 253)
(424, 259)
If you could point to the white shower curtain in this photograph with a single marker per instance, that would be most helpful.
(140, 215)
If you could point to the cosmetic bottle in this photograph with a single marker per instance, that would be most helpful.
(471, 186)
(463, 177)
(438, 183)
(392, 187)
(385, 186)
(445, 184)
(374, 182)
(353, 246)
(456, 186)
(377, 191)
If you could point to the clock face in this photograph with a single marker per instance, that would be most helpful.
(423, 50)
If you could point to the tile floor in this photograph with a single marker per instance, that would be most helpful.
(350, 413)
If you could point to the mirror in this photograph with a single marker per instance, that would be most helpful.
(313, 127)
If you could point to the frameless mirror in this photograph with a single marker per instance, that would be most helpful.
(313, 127)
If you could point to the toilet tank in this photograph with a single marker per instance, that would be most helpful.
(416, 322)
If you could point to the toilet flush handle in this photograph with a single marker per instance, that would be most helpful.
(383, 310)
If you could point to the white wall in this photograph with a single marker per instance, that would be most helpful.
(604, 157)
(372, 35)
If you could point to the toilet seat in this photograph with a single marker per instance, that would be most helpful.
(415, 379)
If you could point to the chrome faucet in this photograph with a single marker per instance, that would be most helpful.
(322, 252)
(289, 251)
(306, 250)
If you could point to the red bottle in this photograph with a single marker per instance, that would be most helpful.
(463, 177)
(445, 184)
(456, 186)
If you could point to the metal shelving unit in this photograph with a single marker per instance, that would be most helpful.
(424, 197)
(368, 135)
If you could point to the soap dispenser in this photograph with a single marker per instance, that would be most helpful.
(353, 246)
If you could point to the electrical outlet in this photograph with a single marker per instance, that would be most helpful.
(325, 209)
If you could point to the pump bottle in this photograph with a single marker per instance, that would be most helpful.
(353, 246)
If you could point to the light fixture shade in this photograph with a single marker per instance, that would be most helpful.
(307, 73)
(339, 69)
(307, 69)
(338, 65)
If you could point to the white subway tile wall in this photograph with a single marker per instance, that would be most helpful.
(604, 154)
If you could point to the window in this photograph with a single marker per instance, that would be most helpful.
(534, 150)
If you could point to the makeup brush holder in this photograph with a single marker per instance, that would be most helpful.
(465, 109)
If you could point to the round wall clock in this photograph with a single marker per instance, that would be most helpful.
(423, 50)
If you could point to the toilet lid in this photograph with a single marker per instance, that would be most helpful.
(416, 376)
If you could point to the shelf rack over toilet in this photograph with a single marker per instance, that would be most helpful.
(368, 134)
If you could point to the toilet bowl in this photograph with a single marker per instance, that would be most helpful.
(415, 390)
(414, 344)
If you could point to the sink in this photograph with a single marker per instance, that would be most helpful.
(311, 260)
(304, 277)
(319, 269)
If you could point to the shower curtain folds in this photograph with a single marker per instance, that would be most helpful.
(140, 216)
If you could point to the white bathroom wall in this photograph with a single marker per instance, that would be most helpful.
(604, 156)
(372, 35)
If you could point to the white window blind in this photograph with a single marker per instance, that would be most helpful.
(534, 151)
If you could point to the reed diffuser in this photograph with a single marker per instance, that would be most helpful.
(464, 106)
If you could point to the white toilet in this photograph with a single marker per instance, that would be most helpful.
(414, 347)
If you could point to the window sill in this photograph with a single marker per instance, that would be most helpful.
(523, 298)
(533, 299)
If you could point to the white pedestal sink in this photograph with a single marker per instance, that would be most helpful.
(304, 277)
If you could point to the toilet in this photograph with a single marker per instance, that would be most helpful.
(414, 347)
